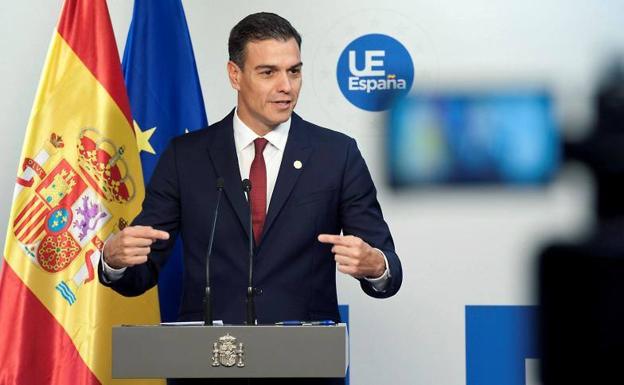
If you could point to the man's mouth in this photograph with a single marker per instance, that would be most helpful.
(282, 103)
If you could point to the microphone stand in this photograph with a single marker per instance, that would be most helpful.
(207, 294)
(251, 307)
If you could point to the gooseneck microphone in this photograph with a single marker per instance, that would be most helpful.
(207, 297)
(251, 308)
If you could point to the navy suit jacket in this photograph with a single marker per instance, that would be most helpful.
(294, 273)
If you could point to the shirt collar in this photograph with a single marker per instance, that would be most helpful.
(244, 136)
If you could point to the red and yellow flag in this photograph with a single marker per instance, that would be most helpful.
(79, 182)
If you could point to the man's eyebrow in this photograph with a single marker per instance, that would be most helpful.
(265, 67)
(274, 67)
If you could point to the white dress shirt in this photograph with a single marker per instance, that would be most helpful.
(245, 152)
(273, 152)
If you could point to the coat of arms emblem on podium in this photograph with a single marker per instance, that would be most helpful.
(227, 351)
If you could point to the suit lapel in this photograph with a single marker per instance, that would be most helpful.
(297, 149)
(223, 155)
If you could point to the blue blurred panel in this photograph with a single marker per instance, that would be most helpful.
(502, 137)
(498, 341)
(344, 317)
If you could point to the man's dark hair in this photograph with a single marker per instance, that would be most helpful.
(257, 27)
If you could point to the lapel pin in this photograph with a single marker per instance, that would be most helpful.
(298, 164)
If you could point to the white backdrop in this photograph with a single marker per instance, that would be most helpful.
(458, 247)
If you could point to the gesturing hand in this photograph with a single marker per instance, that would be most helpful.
(131, 246)
(354, 256)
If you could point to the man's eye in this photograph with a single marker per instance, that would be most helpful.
(295, 70)
(267, 72)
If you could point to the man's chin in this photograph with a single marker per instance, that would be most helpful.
(281, 117)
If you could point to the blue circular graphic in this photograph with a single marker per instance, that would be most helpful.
(58, 220)
(373, 70)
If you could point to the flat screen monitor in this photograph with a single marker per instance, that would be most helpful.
(501, 137)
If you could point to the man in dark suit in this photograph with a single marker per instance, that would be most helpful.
(308, 184)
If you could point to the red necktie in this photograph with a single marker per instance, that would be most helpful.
(258, 179)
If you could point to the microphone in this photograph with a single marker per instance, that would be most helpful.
(207, 297)
(251, 307)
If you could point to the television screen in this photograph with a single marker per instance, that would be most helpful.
(476, 137)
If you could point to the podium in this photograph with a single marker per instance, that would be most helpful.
(269, 351)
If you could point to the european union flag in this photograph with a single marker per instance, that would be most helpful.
(166, 101)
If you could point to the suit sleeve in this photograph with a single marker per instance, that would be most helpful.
(360, 215)
(161, 210)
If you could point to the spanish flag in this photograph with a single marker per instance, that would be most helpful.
(79, 181)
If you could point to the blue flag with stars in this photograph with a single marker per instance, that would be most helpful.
(166, 101)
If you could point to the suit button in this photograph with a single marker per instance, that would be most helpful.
(257, 291)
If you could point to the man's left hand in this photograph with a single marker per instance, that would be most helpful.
(354, 256)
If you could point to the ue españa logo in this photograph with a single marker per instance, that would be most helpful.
(373, 70)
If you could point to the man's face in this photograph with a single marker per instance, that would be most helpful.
(268, 84)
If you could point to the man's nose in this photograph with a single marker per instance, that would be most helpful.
(284, 83)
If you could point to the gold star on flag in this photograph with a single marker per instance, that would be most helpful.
(143, 138)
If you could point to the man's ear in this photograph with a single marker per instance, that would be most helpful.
(234, 73)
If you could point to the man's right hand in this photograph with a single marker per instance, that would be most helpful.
(131, 246)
